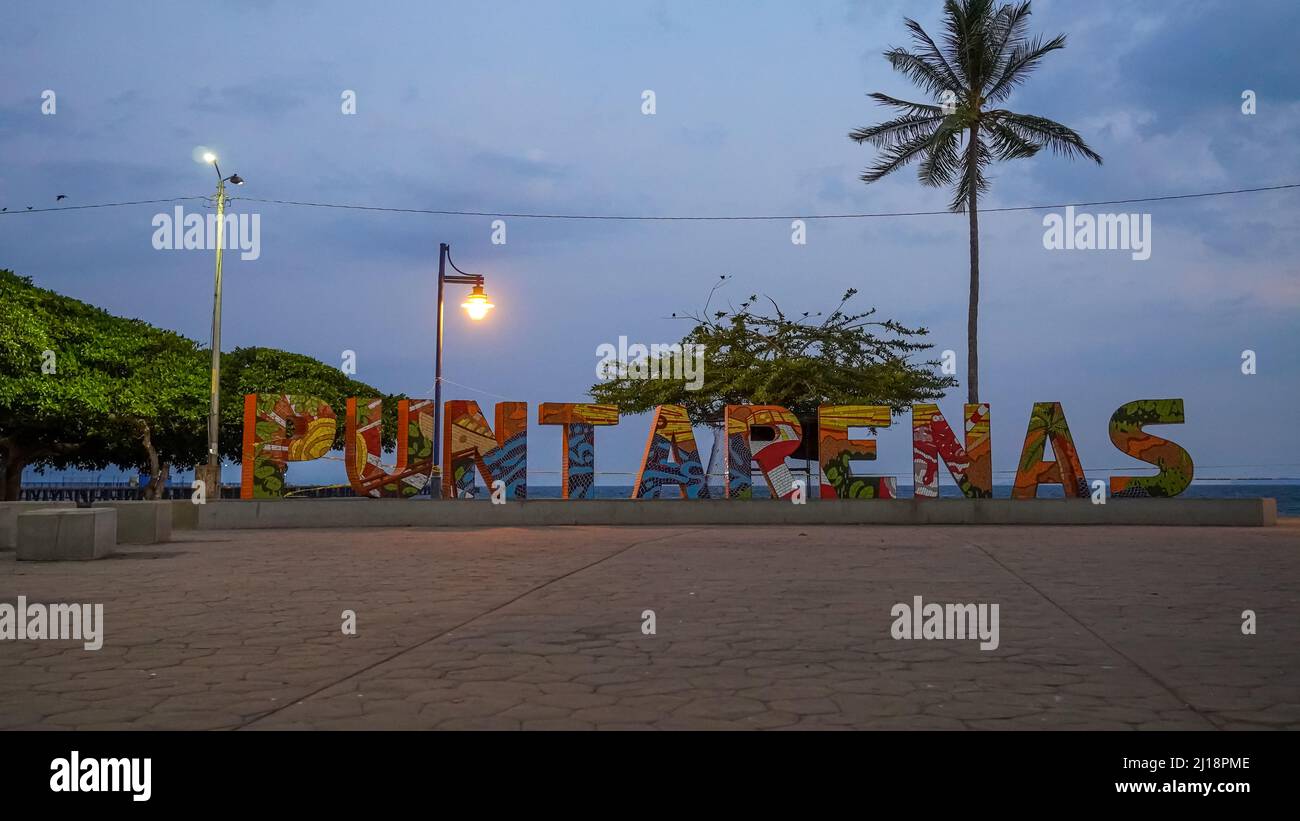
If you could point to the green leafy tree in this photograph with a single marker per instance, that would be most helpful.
(984, 54)
(158, 402)
(797, 362)
(81, 388)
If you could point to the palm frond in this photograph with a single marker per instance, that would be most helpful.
(1009, 26)
(1062, 139)
(972, 175)
(895, 157)
(931, 51)
(904, 105)
(942, 162)
(918, 69)
(966, 25)
(982, 38)
(1023, 59)
(1007, 144)
(899, 129)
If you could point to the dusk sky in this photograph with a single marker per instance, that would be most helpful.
(537, 107)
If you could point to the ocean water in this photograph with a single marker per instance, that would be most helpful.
(1288, 496)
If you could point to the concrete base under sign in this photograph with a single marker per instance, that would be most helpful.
(331, 513)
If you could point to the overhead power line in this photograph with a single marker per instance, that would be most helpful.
(753, 217)
(681, 218)
(99, 205)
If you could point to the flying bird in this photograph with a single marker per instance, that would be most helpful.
(61, 197)
(29, 208)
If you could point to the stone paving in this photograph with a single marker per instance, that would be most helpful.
(760, 627)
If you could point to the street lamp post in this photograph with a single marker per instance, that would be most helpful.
(477, 306)
(213, 480)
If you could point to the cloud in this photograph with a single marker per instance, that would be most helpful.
(269, 98)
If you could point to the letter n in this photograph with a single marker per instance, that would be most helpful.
(1047, 423)
(471, 443)
(279, 429)
(933, 441)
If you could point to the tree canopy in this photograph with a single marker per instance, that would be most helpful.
(82, 388)
(799, 362)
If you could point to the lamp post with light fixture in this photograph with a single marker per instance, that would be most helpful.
(212, 482)
(477, 306)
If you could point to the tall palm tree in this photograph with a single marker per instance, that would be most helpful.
(986, 54)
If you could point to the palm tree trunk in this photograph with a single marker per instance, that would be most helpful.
(972, 317)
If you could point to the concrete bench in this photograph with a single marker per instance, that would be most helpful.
(66, 534)
(142, 522)
(137, 522)
(9, 519)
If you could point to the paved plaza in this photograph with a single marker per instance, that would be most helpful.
(755, 628)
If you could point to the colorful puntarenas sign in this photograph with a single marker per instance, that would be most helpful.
(279, 429)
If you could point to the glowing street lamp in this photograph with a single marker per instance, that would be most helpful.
(477, 306)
